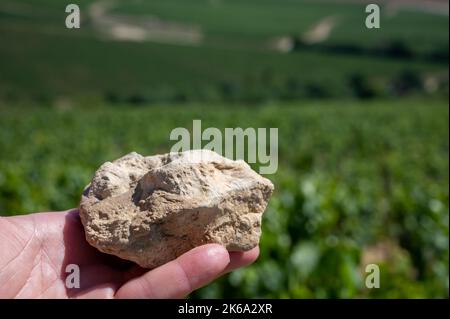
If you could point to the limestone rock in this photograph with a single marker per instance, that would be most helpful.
(152, 209)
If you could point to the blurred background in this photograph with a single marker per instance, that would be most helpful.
(362, 117)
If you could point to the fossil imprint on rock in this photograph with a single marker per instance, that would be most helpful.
(152, 209)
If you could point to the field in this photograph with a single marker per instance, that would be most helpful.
(43, 61)
(362, 117)
(270, 19)
(371, 186)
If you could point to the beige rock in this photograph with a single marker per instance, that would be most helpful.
(152, 209)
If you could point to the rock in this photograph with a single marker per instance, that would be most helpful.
(152, 209)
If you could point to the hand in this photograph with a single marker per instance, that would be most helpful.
(35, 249)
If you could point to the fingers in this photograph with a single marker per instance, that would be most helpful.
(240, 259)
(179, 277)
(237, 260)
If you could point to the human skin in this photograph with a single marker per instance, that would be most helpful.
(35, 250)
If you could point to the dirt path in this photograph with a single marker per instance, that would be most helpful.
(438, 7)
(122, 27)
(320, 31)
(431, 6)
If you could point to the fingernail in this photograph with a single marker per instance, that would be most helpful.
(215, 251)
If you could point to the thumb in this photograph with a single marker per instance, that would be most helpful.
(179, 277)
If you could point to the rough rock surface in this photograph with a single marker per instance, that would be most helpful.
(152, 209)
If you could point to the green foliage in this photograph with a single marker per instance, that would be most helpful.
(357, 183)
(43, 61)
(255, 20)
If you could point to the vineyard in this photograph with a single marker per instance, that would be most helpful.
(362, 118)
(357, 183)
(240, 62)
